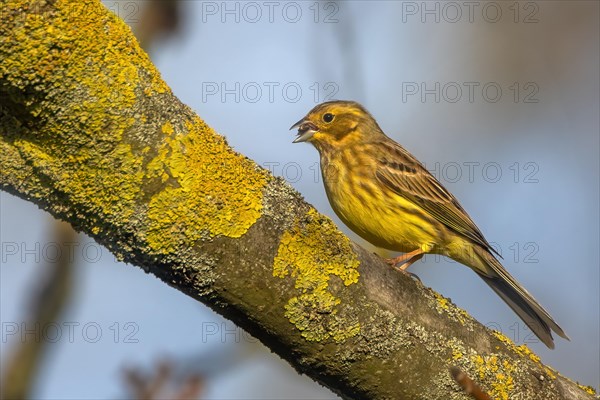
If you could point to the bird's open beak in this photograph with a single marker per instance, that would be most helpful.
(306, 130)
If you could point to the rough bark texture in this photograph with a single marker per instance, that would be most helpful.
(90, 133)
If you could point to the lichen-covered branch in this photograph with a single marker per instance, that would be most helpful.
(91, 133)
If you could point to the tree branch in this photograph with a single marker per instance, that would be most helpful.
(90, 133)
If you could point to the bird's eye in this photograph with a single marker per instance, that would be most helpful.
(328, 117)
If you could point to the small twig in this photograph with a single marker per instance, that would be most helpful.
(468, 385)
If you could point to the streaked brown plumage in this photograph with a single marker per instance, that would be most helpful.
(388, 197)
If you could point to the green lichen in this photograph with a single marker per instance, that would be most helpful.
(313, 252)
(214, 191)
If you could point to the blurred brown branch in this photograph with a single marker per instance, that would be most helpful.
(158, 19)
(468, 385)
(47, 301)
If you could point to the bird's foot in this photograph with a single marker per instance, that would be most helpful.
(401, 263)
(404, 261)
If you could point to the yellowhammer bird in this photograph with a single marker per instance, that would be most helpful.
(384, 194)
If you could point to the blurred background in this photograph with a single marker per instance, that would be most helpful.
(500, 100)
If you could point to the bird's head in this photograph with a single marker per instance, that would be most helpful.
(335, 124)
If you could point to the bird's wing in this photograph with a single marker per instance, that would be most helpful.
(402, 173)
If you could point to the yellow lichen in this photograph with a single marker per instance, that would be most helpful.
(442, 301)
(216, 191)
(550, 372)
(587, 389)
(54, 60)
(503, 338)
(522, 350)
(456, 355)
(167, 128)
(499, 372)
(442, 305)
(313, 252)
(85, 75)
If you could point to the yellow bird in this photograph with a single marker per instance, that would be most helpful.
(385, 195)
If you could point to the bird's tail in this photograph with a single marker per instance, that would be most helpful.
(517, 298)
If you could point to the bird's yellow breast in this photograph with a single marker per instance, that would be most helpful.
(380, 216)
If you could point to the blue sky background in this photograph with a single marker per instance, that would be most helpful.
(524, 164)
